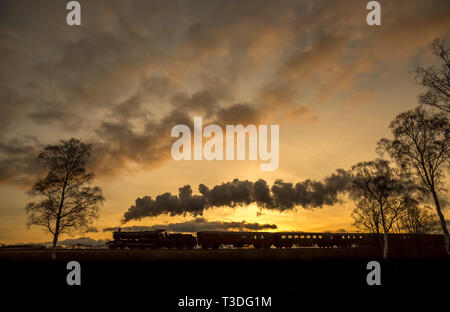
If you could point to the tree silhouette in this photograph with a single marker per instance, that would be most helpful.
(417, 220)
(67, 202)
(436, 80)
(366, 216)
(421, 149)
(383, 194)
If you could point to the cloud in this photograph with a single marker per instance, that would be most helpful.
(281, 196)
(91, 230)
(240, 113)
(135, 69)
(199, 224)
(18, 160)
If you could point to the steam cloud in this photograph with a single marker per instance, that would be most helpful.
(281, 196)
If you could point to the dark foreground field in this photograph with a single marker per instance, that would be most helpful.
(162, 277)
(245, 255)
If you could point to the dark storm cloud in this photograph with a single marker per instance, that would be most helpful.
(282, 196)
(199, 224)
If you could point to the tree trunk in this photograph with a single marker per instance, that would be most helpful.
(443, 223)
(55, 239)
(58, 220)
(386, 246)
(380, 241)
(55, 236)
(385, 233)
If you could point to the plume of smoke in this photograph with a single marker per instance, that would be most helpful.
(281, 196)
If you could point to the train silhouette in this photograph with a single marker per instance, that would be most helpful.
(216, 239)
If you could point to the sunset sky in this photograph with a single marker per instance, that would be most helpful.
(135, 69)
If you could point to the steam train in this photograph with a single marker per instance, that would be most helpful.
(151, 239)
(217, 239)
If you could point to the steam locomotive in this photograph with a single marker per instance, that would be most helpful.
(151, 239)
(217, 239)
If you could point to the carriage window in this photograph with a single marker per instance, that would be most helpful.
(302, 236)
(308, 236)
(283, 236)
(295, 236)
(289, 236)
(314, 236)
(320, 236)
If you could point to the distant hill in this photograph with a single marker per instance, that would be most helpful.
(81, 242)
(23, 246)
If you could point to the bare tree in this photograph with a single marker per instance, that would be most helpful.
(383, 196)
(67, 202)
(366, 216)
(417, 220)
(421, 148)
(436, 80)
